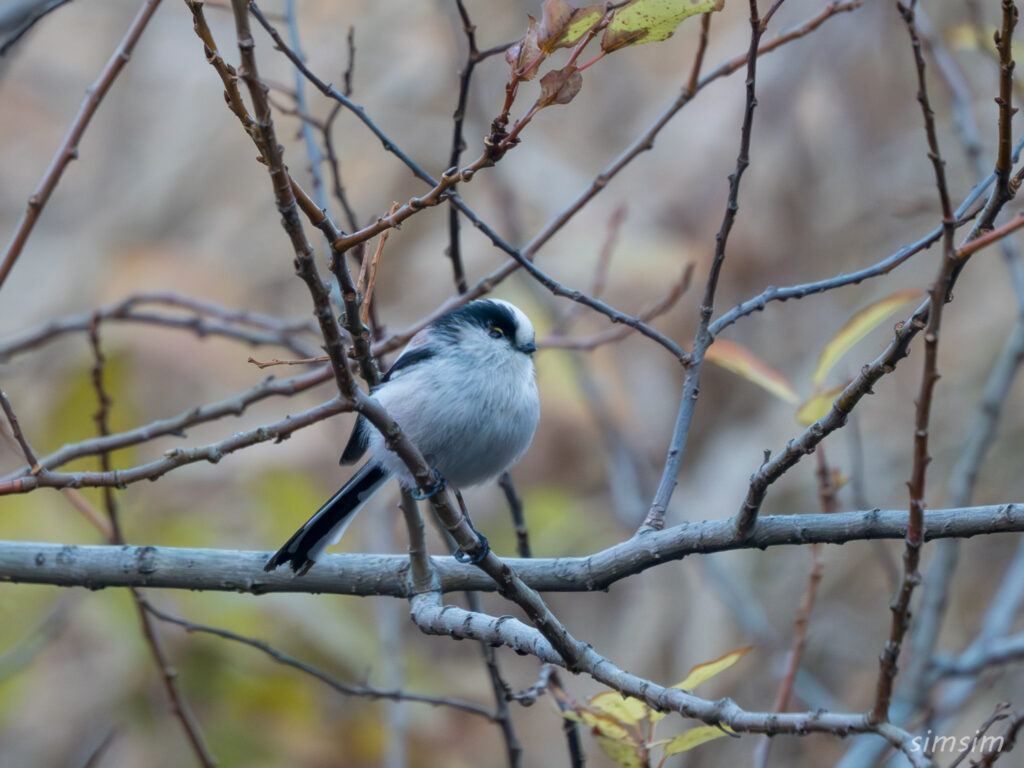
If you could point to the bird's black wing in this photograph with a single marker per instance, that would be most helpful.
(357, 443)
(407, 358)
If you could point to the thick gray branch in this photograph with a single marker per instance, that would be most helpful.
(97, 567)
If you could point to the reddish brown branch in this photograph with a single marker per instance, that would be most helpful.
(990, 237)
(179, 706)
(1004, 41)
(702, 47)
(68, 149)
(938, 292)
(302, 361)
(19, 437)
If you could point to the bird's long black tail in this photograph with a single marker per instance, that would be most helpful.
(326, 527)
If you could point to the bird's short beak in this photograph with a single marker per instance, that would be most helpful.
(529, 348)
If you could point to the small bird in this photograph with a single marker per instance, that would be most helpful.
(463, 391)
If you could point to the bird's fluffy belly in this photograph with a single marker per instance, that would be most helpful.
(467, 445)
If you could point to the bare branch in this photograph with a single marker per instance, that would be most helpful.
(19, 437)
(434, 618)
(365, 691)
(642, 144)
(388, 575)
(173, 458)
(938, 293)
(68, 149)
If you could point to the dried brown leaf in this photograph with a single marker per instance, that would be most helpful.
(525, 56)
(560, 86)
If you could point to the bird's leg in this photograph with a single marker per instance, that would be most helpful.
(483, 548)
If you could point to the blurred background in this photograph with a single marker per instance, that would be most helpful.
(166, 196)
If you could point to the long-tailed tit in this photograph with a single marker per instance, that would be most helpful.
(463, 391)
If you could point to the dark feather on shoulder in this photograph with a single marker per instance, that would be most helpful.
(411, 357)
(357, 443)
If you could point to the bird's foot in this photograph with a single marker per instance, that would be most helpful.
(439, 485)
(483, 548)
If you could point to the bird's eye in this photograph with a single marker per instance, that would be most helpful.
(496, 333)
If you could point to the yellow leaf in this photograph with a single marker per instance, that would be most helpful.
(648, 21)
(582, 21)
(693, 738)
(622, 754)
(702, 672)
(838, 479)
(741, 361)
(603, 725)
(625, 709)
(818, 406)
(857, 327)
(964, 37)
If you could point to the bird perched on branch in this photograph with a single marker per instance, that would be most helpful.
(464, 392)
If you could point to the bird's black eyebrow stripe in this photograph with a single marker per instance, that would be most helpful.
(409, 358)
(485, 314)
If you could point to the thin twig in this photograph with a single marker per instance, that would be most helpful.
(459, 143)
(515, 506)
(332, 157)
(371, 276)
(604, 262)
(698, 59)
(102, 421)
(301, 361)
(261, 130)
(332, 682)
(179, 706)
(883, 267)
(610, 335)
(577, 759)
(173, 458)
(640, 145)
(26, 448)
(655, 518)
(501, 692)
(990, 237)
(938, 293)
(176, 425)
(1006, 742)
(1000, 713)
(68, 149)
(312, 148)
(827, 499)
(284, 195)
